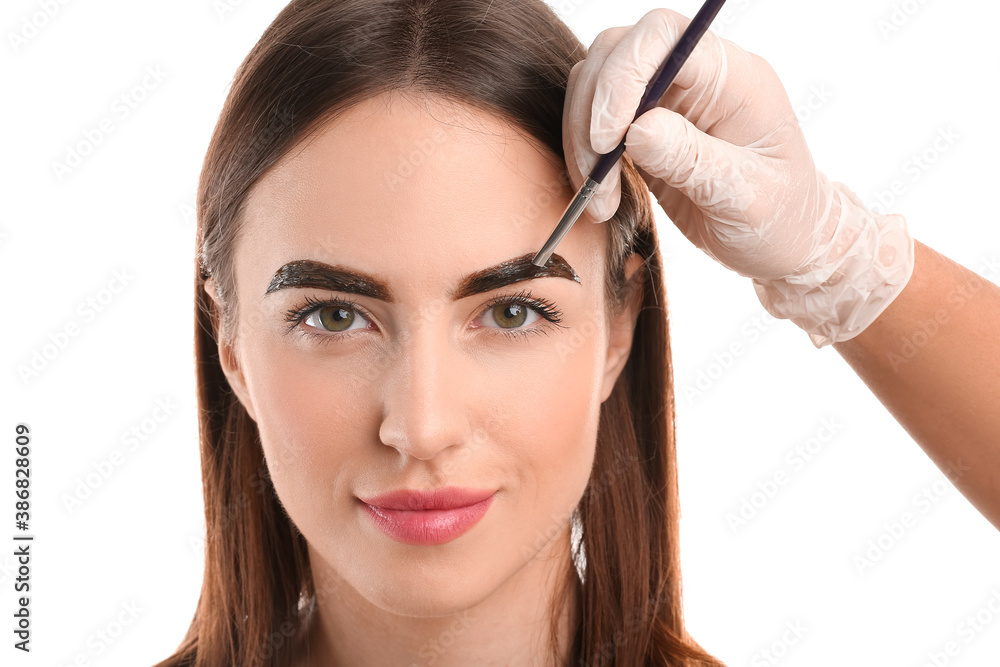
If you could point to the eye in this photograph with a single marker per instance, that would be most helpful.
(334, 319)
(510, 312)
(327, 315)
(511, 315)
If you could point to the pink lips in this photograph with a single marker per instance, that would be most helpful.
(427, 517)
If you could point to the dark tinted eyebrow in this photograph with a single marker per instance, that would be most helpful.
(313, 273)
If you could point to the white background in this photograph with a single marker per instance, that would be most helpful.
(869, 100)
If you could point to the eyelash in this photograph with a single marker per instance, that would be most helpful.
(545, 309)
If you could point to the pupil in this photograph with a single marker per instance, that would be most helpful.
(336, 319)
(512, 315)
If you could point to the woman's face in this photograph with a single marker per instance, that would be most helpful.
(422, 384)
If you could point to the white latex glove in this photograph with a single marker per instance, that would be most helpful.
(725, 157)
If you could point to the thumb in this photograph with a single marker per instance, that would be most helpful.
(707, 170)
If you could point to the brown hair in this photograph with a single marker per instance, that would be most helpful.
(511, 58)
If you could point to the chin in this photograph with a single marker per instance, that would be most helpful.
(444, 595)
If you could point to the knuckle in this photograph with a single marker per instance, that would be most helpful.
(574, 75)
(662, 17)
(761, 64)
(766, 75)
(662, 13)
(607, 39)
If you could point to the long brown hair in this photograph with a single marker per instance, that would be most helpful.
(512, 59)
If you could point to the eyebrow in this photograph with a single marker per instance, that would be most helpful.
(313, 273)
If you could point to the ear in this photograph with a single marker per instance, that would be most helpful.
(622, 325)
(228, 357)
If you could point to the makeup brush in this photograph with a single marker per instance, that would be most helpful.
(654, 91)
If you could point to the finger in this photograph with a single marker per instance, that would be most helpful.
(710, 86)
(711, 172)
(580, 157)
(583, 102)
(571, 136)
(608, 197)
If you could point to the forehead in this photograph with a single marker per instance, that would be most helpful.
(417, 189)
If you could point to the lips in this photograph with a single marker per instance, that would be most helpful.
(446, 498)
(427, 517)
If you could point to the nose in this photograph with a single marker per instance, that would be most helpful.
(426, 394)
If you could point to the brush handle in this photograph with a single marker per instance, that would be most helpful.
(655, 89)
(662, 79)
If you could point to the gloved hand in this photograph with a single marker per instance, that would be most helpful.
(725, 157)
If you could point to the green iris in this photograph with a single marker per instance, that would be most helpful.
(507, 315)
(518, 314)
(336, 319)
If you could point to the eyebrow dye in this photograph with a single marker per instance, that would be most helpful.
(312, 273)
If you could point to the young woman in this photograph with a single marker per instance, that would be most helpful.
(417, 447)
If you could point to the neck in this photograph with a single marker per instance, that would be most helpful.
(513, 625)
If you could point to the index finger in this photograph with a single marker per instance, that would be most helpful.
(714, 83)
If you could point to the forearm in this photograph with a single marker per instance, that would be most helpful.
(933, 359)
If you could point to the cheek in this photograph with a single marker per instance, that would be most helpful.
(310, 417)
(560, 403)
(535, 434)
